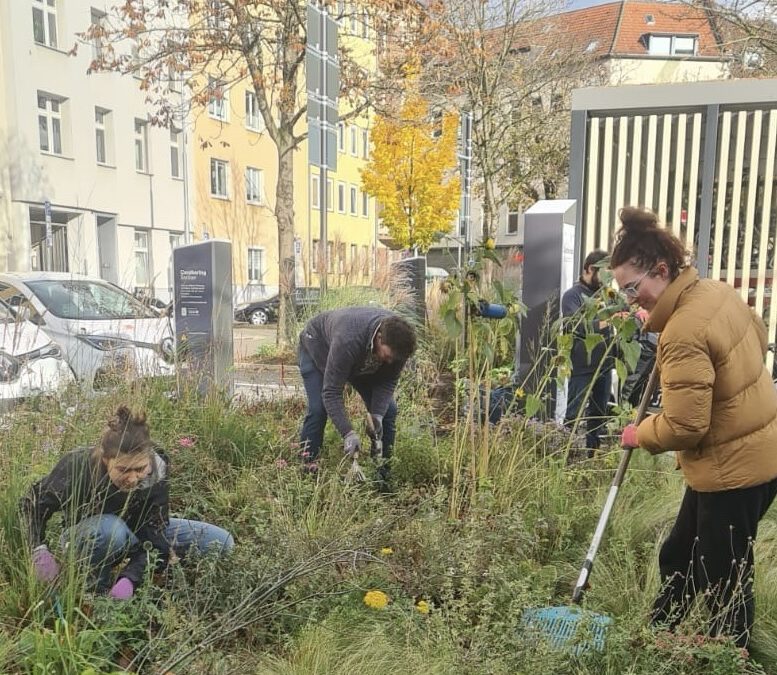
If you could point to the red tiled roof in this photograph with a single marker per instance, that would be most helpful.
(668, 18)
(621, 28)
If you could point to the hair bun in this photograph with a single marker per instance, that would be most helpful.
(637, 220)
(123, 417)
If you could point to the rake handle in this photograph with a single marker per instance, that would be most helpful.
(617, 481)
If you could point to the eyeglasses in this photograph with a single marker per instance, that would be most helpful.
(632, 288)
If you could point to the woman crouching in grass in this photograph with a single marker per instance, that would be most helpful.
(115, 501)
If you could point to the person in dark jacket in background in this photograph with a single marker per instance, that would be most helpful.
(115, 501)
(366, 347)
(590, 381)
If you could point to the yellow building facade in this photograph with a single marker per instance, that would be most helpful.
(234, 181)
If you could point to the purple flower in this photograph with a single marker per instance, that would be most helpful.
(186, 442)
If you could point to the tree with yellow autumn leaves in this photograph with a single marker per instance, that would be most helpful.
(411, 173)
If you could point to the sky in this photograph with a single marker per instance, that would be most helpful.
(579, 4)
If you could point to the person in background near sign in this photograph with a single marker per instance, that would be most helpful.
(366, 347)
(590, 382)
(115, 500)
(719, 416)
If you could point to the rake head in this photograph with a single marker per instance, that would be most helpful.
(355, 472)
(570, 629)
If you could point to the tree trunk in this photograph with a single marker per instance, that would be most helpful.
(284, 214)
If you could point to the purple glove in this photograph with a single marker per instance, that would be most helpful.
(45, 564)
(123, 589)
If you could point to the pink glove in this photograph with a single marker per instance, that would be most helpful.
(629, 438)
(123, 589)
(45, 564)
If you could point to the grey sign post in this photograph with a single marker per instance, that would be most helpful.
(203, 312)
(322, 72)
(548, 271)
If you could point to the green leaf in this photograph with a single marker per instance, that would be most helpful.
(591, 340)
(620, 368)
(565, 342)
(452, 324)
(533, 404)
(631, 351)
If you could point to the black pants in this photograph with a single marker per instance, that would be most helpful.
(591, 404)
(710, 551)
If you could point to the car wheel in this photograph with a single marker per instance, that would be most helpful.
(259, 317)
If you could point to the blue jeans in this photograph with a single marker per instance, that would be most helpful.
(594, 401)
(312, 435)
(103, 541)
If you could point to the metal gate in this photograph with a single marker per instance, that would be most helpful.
(702, 156)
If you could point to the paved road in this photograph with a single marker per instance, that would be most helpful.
(249, 338)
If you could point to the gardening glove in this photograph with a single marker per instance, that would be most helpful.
(629, 437)
(376, 433)
(45, 564)
(351, 444)
(123, 589)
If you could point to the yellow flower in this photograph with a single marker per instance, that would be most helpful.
(386, 550)
(423, 607)
(376, 599)
(520, 393)
(490, 244)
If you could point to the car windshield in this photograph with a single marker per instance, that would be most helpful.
(88, 300)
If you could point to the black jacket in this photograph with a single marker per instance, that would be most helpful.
(340, 344)
(80, 487)
(571, 304)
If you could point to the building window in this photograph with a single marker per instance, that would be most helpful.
(255, 265)
(217, 100)
(216, 17)
(254, 186)
(102, 129)
(354, 258)
(218, 178)
(340, 197)
(365, 143)
(44, 22)
(316, 252)
(330, 203)
(50, 123)
(174, 80)
(365, 24)
(254, 120)
(354, 144)
(354, 200)
(512, 222)
(142, 262)
(315, 192)
(141, 146)
(175, 153)
(176, 240)
(672, 45)
(365, 205)
(98, 34)
(341, 136)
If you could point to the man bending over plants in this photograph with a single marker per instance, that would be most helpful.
(115, 500)
(366, 347)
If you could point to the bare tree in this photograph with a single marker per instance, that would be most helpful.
(211, 45)
(498, 60)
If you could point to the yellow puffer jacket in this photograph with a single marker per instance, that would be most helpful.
(719, 404)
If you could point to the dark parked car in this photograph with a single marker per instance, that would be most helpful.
(260, 312)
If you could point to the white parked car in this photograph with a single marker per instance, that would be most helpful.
(103, 330)
(30, 363)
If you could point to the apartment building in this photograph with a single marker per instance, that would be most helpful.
(81, 147)
(235, 178)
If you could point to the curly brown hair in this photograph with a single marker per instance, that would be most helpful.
(642, 242)
(126, 433)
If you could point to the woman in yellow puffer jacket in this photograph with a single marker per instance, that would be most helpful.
(719, 416)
